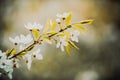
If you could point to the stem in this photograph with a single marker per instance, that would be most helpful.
(61, 30)
(22, 51)
(69, 26)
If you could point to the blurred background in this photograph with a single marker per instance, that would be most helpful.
(99, 55)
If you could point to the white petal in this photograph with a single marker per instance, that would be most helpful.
(10, 75)
(29, 64)
(62, 48)
(58, 45)
(51, 22)
(28, 26)
(21, 47)
(11, 39)
(65, 43)
(29, 61)
(17, 39)
(58, 20)
(59, 15)
(65, 14)
(39, 57)
(40, 27)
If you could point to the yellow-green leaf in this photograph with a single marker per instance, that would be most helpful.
(30, 48)
(68, 19)
(10, 52)
(47, 40)
(22, 54)
(46, 26)
(35, 33)
(86, 22)
(53, 27)
(67, 34)
(72, 44)
(61, 34)
(68, 49)
(78, 27)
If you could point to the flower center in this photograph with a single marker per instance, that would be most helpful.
(34, 55)
(16, 43)
(3, 64)
(63, 18)
(26, 61)
(14, 65)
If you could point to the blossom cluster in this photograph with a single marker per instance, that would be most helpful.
(61, 32)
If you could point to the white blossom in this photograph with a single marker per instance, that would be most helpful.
(34, 25)
(15, 40)
(25, 39)
(10, 73)
(21, 39)
(64, 15)
(61, 43)
(74, 35)
(6, 64)
(28, 60)
(36, 54)
(58, 20)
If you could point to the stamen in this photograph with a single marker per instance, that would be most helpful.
(15, 66)
(3, 64)
(14, 61)
(30, 29)
(38, 30)
(72, 35)
(15, 43)
(34, 56)
(63, 18)
(59, 23)
(60, 42)
(26, 61)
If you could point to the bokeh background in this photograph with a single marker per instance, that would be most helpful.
(99, 55)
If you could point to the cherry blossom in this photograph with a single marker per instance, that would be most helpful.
(15, 40)
(34, 25)
(74, 35)
(61, 43)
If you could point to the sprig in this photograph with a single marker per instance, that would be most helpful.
(61, 32)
